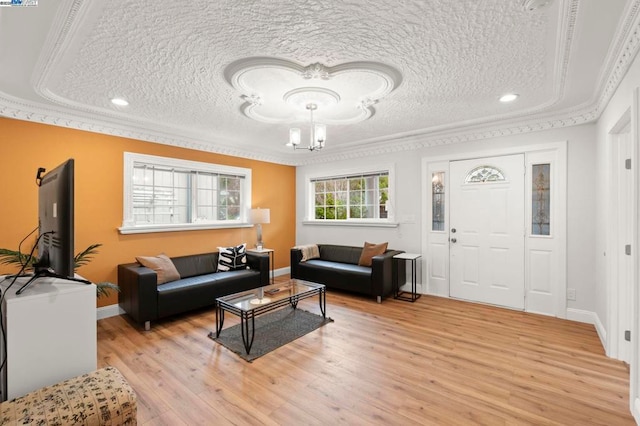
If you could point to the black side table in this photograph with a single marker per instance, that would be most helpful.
(401, 260)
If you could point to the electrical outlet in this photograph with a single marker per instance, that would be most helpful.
(571, 294)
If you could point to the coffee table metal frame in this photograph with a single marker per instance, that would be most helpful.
(239, 304)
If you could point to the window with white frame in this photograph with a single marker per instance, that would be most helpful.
(166, 194)
(351, 197)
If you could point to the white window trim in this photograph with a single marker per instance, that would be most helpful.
(360, 170)
(128, 226)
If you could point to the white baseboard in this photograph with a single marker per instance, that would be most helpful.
(602, 332)
(581, 315)
(282, 271)
(406, 287)
(589, 318)
(108, 311)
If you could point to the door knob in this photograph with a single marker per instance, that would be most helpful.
(453, 240)
(453, 230)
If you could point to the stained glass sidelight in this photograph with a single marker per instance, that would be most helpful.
(541, 197)
(437, 201)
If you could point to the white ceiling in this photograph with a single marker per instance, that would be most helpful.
(62, 61)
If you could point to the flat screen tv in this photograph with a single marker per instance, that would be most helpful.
(55, 224)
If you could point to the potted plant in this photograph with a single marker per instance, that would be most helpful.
(16, 258)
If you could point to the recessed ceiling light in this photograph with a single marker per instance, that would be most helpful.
(119, 102)
(509, 97)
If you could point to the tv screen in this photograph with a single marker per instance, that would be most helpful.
(55, 221)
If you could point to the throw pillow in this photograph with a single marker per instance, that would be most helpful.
(164, 267)
(369, 250)
(232, 258)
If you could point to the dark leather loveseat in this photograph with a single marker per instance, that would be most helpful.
(199, 285)
(337, 267)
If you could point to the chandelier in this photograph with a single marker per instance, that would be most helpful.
(317, 133)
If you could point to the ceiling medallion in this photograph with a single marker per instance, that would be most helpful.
(280, 91)
(316, 70)
(303, 96)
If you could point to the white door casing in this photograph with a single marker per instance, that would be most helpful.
(619, 272)
(634, 382)
(545, 256)
(625, 263)
(486, 222)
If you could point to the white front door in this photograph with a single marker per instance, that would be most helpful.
(486, 230)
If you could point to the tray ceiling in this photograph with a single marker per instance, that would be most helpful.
(447, 63)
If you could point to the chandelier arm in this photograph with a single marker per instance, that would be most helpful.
(310, 126)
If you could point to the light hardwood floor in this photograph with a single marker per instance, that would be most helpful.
(435, 361)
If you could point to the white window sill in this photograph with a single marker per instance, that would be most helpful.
(143, 229)
(354, 223)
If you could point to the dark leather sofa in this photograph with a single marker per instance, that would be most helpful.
(337, 267)
(199, 285)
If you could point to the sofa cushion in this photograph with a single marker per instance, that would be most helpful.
(369, 250)
(200, 291)
(343, 254)
(162, 265)
(345, 276)
(196, 264)
(232, 258)
(338, 266)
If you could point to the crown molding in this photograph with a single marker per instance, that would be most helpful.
(19, 110)
(411, 142)
(621, 56)
(618, 62)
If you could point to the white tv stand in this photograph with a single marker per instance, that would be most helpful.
(50, 333)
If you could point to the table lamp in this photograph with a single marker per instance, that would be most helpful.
(258, 217)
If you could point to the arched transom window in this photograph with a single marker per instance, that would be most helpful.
(484, 174)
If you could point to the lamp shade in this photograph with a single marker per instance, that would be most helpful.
(259, 216)
(294, 136)
(321, 133)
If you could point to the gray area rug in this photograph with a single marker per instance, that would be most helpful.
(273, 330)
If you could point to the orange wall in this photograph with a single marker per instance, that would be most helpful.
(25, 146)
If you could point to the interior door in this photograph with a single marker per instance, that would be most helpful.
(487, 229)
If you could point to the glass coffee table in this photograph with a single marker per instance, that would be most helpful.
(252, 303)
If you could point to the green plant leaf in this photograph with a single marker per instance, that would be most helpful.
(85, 256)
(103, 289)
(14, 257)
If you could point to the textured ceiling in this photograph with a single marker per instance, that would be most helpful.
(455, 58)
